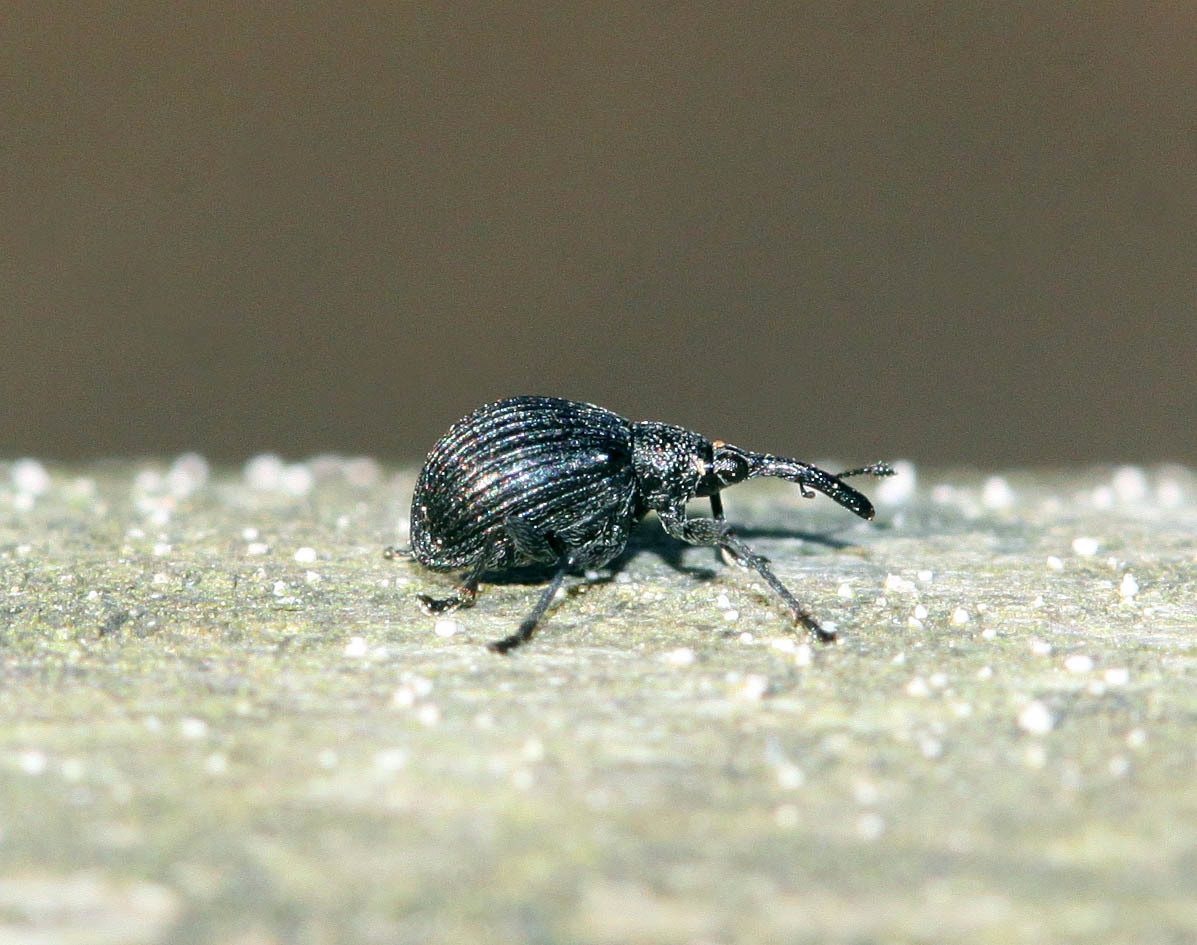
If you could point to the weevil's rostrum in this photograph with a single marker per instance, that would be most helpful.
(544, 480)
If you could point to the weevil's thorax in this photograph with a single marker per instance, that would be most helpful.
(669, 463)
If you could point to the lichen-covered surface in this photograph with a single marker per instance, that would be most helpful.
(223, 718)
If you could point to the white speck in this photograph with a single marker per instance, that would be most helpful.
(870, 825)
(920, 612)
(1169, 493)
(32, 762)
(249, 533)
(1130, 484)
(356, 647)
(962, 710)
(447, 627)
(722, 602)
(731, 616)
(1036, 718)
(804, 655)
(152, 723)
(996, 493)
(925, 576)
(361, 471)
(754, 688)
(280, 588)
(682, 656)
(747, 638)
(428, 714)
(193, 728)
(257, 548)
(914, 623)
(160, 578)
(896, 584)
(390, 759)
(484, 721)
(930, 747)
(938, 680)
(305, 555)
(29, 477)
(784, 644)
(985, 672)
(899, 659)
(161, 549)
(789, 776)
(327, 758)
(865, 792)
(533, 750)
(1041, 648)
(1102, 498)
(1119, 765)
(264, 472)
(1129, 586)
(830, 626)
(1085, 546)
(187, 475)
(522, 779)
(1038, 601)
(959, 617)
(844, 590)
(216, 764)
(899, 488)
(312, 577)
(1079, 663)
(1117, 676)
(918, 687)
(1055, 563)
(297, 480)
(1136, 738)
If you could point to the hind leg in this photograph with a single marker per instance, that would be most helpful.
(464, 596)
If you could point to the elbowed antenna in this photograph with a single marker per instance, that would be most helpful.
(810, 477)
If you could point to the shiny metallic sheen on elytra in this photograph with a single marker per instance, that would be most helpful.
(532, 480)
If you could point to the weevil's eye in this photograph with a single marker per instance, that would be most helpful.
(730, 465)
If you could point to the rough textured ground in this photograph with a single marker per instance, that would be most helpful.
(223, 718)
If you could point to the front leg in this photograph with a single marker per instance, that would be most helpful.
(715, 531)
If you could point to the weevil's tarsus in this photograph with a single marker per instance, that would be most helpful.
(524, 633)
(464, 596)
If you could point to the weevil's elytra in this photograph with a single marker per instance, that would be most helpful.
(544, 480)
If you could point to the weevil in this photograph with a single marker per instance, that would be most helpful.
(543, 480)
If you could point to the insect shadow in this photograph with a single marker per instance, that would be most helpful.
(648, 538)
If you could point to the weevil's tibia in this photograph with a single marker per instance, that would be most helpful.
(528, 627)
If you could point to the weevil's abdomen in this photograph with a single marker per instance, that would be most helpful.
(561, 467)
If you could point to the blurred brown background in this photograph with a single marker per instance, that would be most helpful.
(953, 232)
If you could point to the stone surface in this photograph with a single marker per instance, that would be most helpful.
(223, 717)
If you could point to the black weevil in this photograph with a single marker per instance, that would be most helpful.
(532, 480)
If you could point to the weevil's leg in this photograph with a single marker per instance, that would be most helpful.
(706, 531)
(464, 596)
(528, 627)
(723, 554)
(395, 553)
(761, 565)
